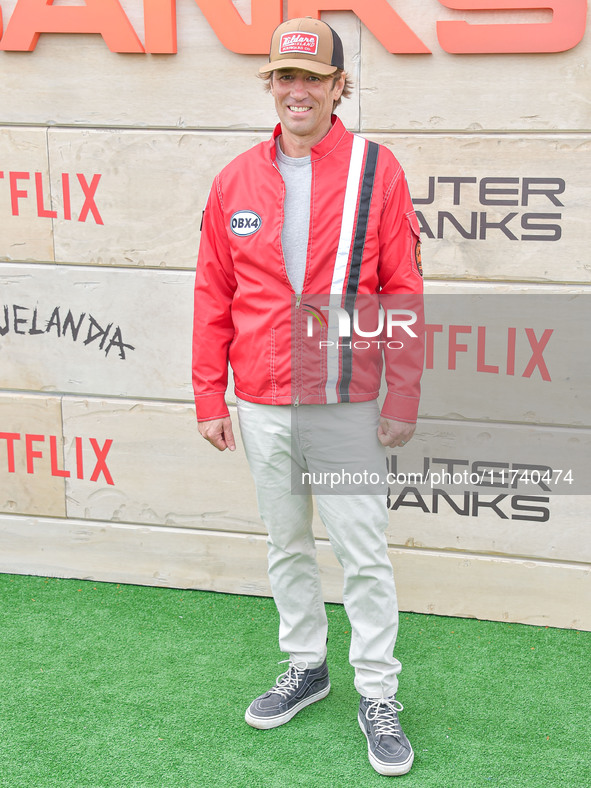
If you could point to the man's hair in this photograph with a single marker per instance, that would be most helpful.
(347, 90)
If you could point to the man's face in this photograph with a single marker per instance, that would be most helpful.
(304, 101)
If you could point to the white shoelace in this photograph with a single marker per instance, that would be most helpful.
(288, 682)
(384, 713)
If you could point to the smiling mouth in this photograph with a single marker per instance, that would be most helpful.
(299, 109)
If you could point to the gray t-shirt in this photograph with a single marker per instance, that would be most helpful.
(297, 176)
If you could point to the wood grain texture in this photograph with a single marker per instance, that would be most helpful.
(488, 587)
(23, 234)
(30, 486)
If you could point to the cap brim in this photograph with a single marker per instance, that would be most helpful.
(306, 65)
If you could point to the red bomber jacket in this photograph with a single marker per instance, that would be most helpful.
(328, 343)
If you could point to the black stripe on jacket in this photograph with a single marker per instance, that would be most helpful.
(367, 184)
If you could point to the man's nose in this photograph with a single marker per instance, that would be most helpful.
(298, 87)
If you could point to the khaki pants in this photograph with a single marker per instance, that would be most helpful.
(287, 449)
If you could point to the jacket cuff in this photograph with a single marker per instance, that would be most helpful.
(211, 406)
(400, 408)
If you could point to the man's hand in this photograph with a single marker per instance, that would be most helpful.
(395, 433)
(219, 433)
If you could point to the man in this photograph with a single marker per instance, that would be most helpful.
(315, 214)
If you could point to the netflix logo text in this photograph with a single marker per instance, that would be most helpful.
(510, 343)
(36, 447)
(25, 187)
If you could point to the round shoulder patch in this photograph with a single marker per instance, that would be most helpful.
(245, 223)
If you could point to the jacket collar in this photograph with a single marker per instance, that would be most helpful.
(326, 145)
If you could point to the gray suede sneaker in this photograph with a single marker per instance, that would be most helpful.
(295, 689)
(388, 748)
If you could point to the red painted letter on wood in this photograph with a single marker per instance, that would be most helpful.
(564, 31)
(378, 16)
(232, 30)
(106, 17)
(160, 26)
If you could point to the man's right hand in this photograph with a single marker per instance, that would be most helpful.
(219, 433)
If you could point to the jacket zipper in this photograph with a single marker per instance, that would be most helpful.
(297, 305)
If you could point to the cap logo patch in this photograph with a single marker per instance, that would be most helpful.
(305, 43)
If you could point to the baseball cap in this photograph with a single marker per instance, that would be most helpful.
(305, 43)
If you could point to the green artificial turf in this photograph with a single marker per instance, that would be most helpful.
(117, 686)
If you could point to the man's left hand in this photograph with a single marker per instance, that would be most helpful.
(395, 433)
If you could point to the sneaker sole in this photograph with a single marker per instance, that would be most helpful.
(388, 769)
(265, 723)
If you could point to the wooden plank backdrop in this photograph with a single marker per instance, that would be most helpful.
(106, 160)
